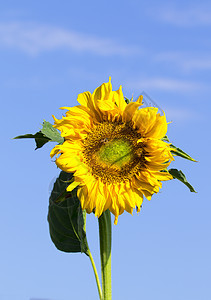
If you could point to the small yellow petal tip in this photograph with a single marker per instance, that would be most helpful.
(116, 220)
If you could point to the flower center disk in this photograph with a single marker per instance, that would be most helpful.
(115, 153)
(112, 152)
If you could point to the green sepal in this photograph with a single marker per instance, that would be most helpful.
(67, 221)
(127, 100)
(181, 177)
(181, 153)
(52, 133)
(47, 134)
(177, 151)
(165, 139)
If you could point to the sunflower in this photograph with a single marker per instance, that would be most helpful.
(114, 149)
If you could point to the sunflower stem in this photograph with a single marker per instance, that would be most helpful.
(105, 253)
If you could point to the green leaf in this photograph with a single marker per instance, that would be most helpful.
(177, 151)
(52, 133)
(66, 219)
(47, 134)
(181, 153)
(39, 137)
(181, 177)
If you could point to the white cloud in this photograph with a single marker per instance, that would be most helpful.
(34, 39)
(166, 84)
(181, 114)
(183, 16)
(186, 61)
(197, 64)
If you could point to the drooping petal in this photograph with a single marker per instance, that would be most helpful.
(144, 119)
(162, 176)
(159, 129)
(72, 186)
(130, 109)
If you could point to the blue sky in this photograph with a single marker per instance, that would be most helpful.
(49, 52)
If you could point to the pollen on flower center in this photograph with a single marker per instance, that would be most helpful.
(112, 152)
(115, 153)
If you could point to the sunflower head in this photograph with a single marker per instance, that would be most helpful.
(114, 149)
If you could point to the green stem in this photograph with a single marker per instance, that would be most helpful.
(105, 253)
(96, 275)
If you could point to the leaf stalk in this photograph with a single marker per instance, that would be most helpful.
(96, 274)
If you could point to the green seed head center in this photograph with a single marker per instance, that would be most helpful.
(116, 153)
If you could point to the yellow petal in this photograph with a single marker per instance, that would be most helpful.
(85, 99)
(103, 91)
(119, 99)
(162, 175)
(72, 186)
(55, 151)
(130, 110)
(144, 119)
(159, 128)
(82, 194)
(81, 170)
(105, 105)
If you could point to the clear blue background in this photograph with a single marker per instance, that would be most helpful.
(49, 52)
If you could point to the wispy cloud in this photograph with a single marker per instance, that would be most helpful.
(185, 16)
(181, 114)
(188, 62)
(167, 84)
(35, 38)
(39, 299)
